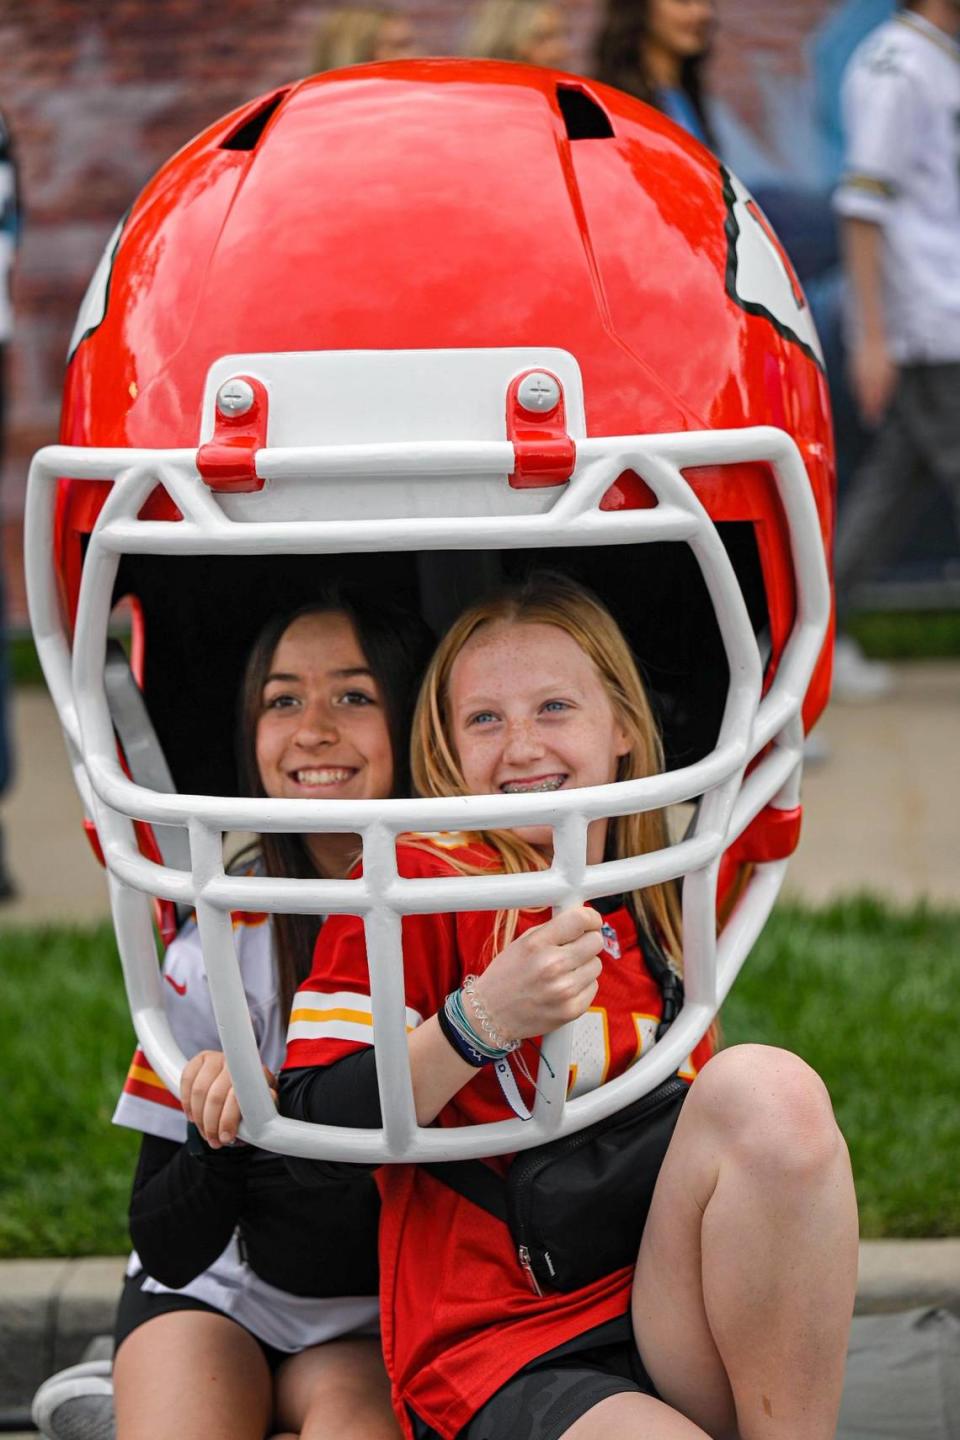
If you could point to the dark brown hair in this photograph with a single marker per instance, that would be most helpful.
(396, 644)
(618, 59)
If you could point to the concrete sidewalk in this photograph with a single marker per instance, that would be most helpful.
(58, 879)
(51, 1309)
(882, 813)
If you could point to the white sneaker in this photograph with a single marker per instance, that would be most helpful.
(855, 678)
(77, 1403)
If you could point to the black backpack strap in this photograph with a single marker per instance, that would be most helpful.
(475, 1181)
(670, 983)
(482, 1186)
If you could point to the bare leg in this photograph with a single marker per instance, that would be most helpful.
(337, 1391)
(746, 1278)
(190, 1375)
(633, 1417)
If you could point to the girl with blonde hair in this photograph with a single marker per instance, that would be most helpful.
(732, 1318)
(569, 608)
(354, 35)
(524, 30)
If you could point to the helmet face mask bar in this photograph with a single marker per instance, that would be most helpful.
(397, 452)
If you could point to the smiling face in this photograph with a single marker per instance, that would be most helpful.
(529, 712)
(322, 728)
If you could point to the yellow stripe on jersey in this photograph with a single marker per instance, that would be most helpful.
(442, 839)
(359, 1017)
(646, 1027)
(342, 1015)
(144, 1083)
(873, 184)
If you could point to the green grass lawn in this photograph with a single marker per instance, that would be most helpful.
(909, 635)
(65, 1042)
(869, 996)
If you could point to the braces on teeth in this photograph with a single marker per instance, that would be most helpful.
(517, 789)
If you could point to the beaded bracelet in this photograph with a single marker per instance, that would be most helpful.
(457, 1016)
(498, 1041)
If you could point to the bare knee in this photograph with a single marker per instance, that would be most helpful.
(340, 1387)
(191, 1374)
(767, 1108)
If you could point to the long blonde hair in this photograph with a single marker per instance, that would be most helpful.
(548, 599)
(349, 36)
(502, 28)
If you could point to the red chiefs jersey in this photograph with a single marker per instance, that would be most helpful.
(458, 1317)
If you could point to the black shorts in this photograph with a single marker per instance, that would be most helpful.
(544, 1399)
(137, 1306)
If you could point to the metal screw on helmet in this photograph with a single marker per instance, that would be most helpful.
(235, 397)
(538, 391)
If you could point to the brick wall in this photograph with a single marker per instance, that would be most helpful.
(99, 92)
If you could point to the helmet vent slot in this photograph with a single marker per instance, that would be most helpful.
(247, 134)
(583, 116)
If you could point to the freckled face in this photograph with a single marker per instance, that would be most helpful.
(322, 730)
(529, 712)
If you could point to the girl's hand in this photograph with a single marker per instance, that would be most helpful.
(209, 1100)
(545, 978)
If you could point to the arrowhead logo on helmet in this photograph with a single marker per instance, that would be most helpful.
(760, 273)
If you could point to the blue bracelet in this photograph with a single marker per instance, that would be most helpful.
(459, 1042)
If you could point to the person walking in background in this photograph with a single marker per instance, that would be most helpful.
(899, 204)
(354, 35)
(656, 50)
(523, 30)
(10, 222)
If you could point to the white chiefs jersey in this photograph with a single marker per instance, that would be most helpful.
(288, 1322)
(901, 108)
(145, 1103)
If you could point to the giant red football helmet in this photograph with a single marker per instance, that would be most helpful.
(426, 325)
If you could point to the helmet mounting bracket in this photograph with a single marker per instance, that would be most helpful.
(545, 453)
(228, 461)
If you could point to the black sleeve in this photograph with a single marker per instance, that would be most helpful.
(342, 1094)
(185, 1205)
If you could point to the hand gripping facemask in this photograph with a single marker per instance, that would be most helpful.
(421, 325)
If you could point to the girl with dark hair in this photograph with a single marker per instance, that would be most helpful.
(656, 50)
(240, 1276)
(397, 646)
